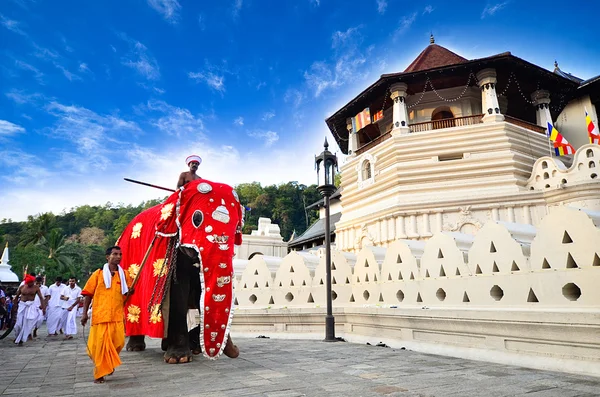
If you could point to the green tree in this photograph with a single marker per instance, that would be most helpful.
(37, 227)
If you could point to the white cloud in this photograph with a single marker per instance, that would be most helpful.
(239, 121)
(11, 25)
(428, 9)
(381, 6)
(214, 81)
(44, 53)
(7, 128)
(139, 59)
(36, 73)
(406, 22)
(237, 7)
(293, 96)
(268, 116)
(268, 137)
(201, 23)
(340, 39)
(20, 98)
(490, 10)
(316, 3)
(83, 67)
(169, 9)
(176, 121)
(260, 85)
(70, 76)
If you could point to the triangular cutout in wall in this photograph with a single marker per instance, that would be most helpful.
(419, 297)
(267, 284)
(291, 269)
(492, 247)
(347, 281)
(545, 264)
(514, 267)
(596, 261)
(571, 264)
(398, 259)
(366, 263)
(235, 302)
(567, 238)
(333, 266)
(495, 268)
(271, 301)
(291, 283)
(466, 297)
(333, 280)
(442, 272)
(352, 298)
(281, 285)
(412, 276)
(477, 270)
(375, 278)
(256, 285)
(457, 271)
(427, 273)
(310, 299)
(532, 297)
(256, 272)
(304, 283)
(380, 297)
(321, 282)
(440, 254)
(400, 275)
(367, 278)
(245, 286)
(389, 276)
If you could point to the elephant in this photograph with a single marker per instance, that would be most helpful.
(180, 255)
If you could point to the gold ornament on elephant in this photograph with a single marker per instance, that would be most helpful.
(166, 211)
(137, 230)
(133, 314)
(159, 268)
(133, 270)
(155, 314)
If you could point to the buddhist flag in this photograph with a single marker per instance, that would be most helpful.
(561, 145)
(361, 120)
(592, 130)
(378, 116)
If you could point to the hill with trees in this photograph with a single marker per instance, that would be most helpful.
(73, 242)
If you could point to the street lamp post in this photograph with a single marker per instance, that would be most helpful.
(328, 162)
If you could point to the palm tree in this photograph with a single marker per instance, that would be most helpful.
(38, 228)
(58, 252)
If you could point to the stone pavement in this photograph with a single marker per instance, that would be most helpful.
(273, 368)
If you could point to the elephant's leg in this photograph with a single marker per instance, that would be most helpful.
(194, 303)
(231, 350)
(178, 347)
(136, 343)
(194, 336)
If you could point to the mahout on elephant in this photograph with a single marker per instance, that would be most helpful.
(181, 253)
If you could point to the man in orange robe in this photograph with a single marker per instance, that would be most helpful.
(107, 288)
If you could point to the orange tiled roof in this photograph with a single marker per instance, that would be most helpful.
(434, 56)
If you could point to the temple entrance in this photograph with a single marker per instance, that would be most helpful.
(442, 117)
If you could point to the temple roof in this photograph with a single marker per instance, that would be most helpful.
(565, 74)
(434, 56)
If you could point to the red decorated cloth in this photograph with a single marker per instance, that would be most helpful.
(202, 215)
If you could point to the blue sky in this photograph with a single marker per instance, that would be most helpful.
(91, 92)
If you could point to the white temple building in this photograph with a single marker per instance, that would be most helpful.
(460, 232)
(6, 275)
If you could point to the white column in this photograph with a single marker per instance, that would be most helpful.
(413, 226)
(400, 115)
(401, 233)
(489, 98)
(384, 230)
(541, 101)
(352, 138)
(495, 214)
(378, 231)
(527, 215)
(439, 222)
(351, 246)
(426, 226)
(511, 214)
(392, 228)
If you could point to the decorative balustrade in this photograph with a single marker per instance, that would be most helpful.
(525, 124)
(446, 123)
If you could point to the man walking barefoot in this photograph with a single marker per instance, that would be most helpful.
(107, 288)
(27, 314)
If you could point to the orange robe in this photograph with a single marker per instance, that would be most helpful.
(107, 334)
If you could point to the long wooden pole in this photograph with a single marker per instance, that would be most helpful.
(137, 276)
(150, 185)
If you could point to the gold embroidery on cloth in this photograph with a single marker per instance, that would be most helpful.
(133, 314)
(166, 211)
(137, 230)
(133, 270)
(159, 268)
(155, 314)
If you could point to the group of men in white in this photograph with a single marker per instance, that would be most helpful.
(61, 310)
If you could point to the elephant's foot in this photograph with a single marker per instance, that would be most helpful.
(136, 343)
(231, 350)
(175, 356)
(164, 344)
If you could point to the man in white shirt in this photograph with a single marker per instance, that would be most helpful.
(71, 295)
(39, 281)
(55, 310)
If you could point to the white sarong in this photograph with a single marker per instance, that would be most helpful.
(71, 323)
(54, 316)
(26, 318)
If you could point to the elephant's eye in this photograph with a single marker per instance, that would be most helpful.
(197, 218)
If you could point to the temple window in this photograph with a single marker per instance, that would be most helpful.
(442, 117)
(366, 170)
